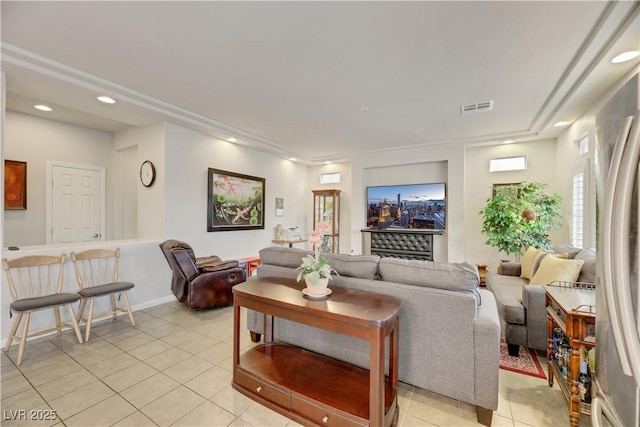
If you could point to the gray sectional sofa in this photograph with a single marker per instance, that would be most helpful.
(523, 315)
(449, 328)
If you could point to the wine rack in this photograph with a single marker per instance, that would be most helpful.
(571, 311)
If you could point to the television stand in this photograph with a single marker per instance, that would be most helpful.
(403, 243)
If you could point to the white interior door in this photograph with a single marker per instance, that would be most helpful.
(76, 210)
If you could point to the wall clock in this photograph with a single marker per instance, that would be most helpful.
(147, 173)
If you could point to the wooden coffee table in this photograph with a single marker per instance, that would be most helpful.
(308, 387)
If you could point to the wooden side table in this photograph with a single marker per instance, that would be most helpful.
(289, 242)
(482, 272)
(249, 264)
(301, 384)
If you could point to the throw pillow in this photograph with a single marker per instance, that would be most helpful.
(536, 263)
(557, 269)
(528, 260)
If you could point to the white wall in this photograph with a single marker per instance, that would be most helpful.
(189, 154)
(36, 140)
(413, 166)
(150, 145)
(541, 161)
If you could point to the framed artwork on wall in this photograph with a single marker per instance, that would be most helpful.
(511, 187)
(234, 201)
(279, 206)
(15, 185)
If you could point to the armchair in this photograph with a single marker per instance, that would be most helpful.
(203, 282)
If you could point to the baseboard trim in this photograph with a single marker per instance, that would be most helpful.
(135, 308)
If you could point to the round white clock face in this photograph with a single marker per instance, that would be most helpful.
(147, 173)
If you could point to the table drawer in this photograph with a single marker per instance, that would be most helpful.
(265, 390)
(322, 415)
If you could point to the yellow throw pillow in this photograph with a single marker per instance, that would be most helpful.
(536, 263)
(528, 260)
(557, 269)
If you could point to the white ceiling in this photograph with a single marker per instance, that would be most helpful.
(290, 77)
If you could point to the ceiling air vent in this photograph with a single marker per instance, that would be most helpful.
(480, 107)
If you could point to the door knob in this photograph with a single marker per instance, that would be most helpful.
(96, 235)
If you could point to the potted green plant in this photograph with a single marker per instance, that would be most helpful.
(520, 216)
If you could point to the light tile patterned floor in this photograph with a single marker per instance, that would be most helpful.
(174, 369)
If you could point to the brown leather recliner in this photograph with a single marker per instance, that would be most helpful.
(204, 282)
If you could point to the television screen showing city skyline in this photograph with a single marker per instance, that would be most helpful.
(421, 206)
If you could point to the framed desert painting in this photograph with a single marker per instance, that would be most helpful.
(15, 184)
(234, 201)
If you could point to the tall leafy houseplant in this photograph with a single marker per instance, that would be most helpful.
(520, 216)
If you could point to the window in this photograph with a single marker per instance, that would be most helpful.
(508, 164)
(583, 145)
(583, 197)
(330, 178)
(577, 210)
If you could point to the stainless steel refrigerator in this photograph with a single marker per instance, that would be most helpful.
(617, 401)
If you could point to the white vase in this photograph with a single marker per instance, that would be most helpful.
(317, 288)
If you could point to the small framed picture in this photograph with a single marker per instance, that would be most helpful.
(511, 187)
(15, 185)
(279, 206)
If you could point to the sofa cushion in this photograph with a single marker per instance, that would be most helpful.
(571, 250)
(362, 266)
(460, 277)
(508, 293)
(510, 268)
(529, 260)
(284, 257)
(588, 272)
(557, 269)
(536, 263)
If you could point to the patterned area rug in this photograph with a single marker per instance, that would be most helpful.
(527, 363)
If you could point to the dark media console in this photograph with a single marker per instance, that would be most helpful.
(399, 242)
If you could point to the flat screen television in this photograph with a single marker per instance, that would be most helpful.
(419, 206)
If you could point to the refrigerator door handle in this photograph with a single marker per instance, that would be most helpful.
(620, 256)
(607, 243)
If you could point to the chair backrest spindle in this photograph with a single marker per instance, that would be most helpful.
(96, 267)
(34, 276)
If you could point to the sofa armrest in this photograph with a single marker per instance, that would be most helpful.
(509, 268)
(207, 260)
(533, 300)
(217, 266)
(487, 353)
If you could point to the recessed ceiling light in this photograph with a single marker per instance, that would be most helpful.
(106, 100)
(327, 162)
(508, 141)
(232, 139)
(625, 56)
(42, 107)
(293, 159)
(560, 124)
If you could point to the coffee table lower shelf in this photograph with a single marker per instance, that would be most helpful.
(310, 388)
